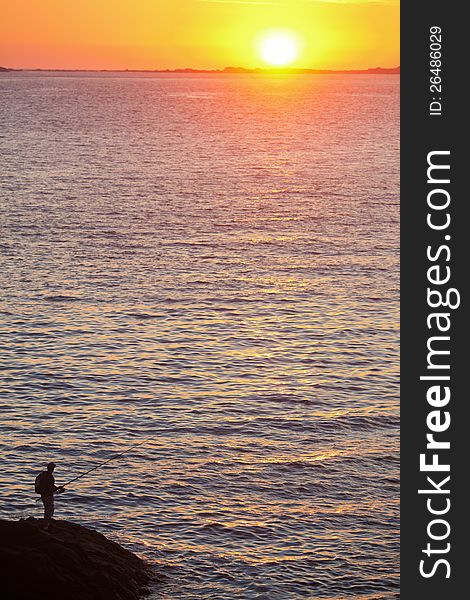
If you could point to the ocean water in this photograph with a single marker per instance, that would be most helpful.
(208, 263)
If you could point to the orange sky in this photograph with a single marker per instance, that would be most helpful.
(149, 34)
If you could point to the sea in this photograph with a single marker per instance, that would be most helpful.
(208, 264)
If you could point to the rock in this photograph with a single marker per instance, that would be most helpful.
(69, 562)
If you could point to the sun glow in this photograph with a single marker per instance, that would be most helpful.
(204, 34)
(279, 49)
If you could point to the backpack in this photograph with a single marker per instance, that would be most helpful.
(39, 484)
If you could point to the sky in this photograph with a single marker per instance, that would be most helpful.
(203, 34)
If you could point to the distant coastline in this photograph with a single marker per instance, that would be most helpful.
(227, 70)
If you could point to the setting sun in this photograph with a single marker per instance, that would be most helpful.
(279, 48)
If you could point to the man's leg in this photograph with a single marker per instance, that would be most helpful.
(48, 502)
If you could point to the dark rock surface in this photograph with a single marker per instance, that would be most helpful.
(69, 562)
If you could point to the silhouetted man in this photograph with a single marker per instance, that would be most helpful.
(45, 485)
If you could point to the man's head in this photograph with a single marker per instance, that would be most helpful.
(51, 467)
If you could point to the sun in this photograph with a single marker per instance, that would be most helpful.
(280, 48)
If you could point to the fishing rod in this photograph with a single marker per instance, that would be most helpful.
(105, 462)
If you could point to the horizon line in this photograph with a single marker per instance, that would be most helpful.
(225, 70)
